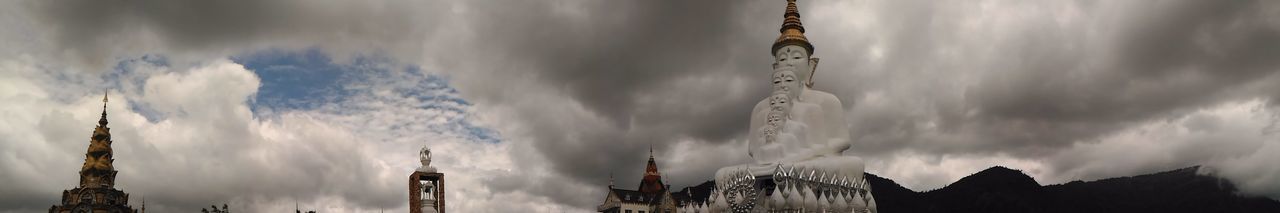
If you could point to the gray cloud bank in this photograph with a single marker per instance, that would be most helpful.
(582, 88)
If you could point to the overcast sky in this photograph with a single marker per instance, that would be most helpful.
(533, 104)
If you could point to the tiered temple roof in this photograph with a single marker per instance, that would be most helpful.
(96, 192)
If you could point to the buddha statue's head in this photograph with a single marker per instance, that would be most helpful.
(795, 59)
(786, 81)
(773, 123)
(775, 118)
(780, 102)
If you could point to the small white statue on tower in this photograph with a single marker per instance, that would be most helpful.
(425, 157)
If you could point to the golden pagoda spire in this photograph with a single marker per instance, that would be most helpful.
(792, 31)
(97, 192)
(98, 170)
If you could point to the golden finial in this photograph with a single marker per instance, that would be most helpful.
(104, 100)
(103, 120)
(792, 31)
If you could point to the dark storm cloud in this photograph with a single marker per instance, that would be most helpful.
(617, 50)
(96, 32)
(1172, 57)
(625, 61)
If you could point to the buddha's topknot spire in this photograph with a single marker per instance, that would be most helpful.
(792, 31)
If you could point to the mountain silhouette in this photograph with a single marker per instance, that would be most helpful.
(1000, 189)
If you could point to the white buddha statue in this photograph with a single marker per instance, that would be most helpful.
(819, 114)
(797, 126)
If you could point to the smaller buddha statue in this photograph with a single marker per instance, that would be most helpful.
(766, 145)
(784, 134)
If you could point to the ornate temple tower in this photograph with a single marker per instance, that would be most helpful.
(652, 196)
(97, 192)
(652, 181)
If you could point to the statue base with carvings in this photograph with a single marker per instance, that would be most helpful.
(791, 189)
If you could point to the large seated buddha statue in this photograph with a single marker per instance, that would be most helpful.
(797, 138)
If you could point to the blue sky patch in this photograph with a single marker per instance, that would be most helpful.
(311, 80)
(294, 80)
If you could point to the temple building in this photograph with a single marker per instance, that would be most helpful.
(96, 192)
(652, 196)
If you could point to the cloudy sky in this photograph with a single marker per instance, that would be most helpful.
(533, 104)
